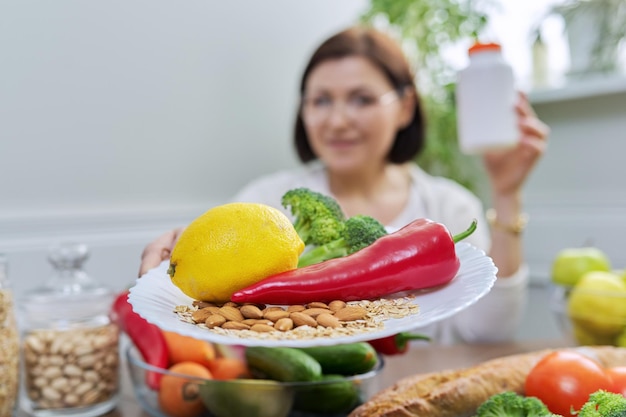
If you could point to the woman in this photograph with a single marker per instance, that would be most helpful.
(358, 131)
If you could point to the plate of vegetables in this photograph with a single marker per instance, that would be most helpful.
(156, 299)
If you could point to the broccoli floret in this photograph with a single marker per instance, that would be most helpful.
(511, 404)
(318, 219)
(359, 232)
(604, 404)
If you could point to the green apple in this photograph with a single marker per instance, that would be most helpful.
(572, 263)
(597, 303)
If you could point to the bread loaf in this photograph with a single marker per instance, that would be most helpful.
(458, 393)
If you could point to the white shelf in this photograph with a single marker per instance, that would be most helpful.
(592, 86)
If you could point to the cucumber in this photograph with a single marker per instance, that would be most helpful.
(333, 394)
(346, 359)
(283, 363)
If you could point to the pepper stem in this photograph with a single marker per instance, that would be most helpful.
(463, 235)
(402, 338)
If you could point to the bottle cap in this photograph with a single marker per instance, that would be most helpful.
(483, 47)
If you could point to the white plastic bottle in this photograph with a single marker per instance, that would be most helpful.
(485, 98)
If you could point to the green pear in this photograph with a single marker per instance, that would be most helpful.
(597, 303)
(571, 264)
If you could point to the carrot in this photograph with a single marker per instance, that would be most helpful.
(187, 349)
(179, 396)
(224, 368)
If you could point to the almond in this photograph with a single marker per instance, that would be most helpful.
(262, 328)
(251, 312)
(235, 325)
(275, 308)
(200, 316)
(301, 319)
(314, 312)
(215, 320)
(317, 304)
(251, 322)
(202, 304)
(276, 315)
(328, 320)
(351, 313)
(295, 307)
(336, 305)
(284, 325)
(231, 313)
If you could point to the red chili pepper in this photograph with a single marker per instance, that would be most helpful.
(420, 255)
(396, 344)
(146, 336)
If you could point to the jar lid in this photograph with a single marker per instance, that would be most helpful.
(484, 47)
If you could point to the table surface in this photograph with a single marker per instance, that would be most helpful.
(419, 359)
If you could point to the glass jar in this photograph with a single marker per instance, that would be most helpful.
(9, 346)
(70, 349)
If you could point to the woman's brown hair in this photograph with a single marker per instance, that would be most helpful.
(386, 54)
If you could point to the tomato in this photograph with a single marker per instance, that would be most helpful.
(618, 376)
(564, 379)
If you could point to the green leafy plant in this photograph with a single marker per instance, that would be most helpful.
(424, 28)
(605, 21)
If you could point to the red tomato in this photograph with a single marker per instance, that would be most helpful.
(564, 379)
(618, 376)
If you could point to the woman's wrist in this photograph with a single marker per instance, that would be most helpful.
(506, 213)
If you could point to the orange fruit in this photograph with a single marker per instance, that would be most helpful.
(179, 396)
(182, 348)
(224, 368)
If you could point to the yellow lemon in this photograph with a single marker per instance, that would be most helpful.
(231, 247)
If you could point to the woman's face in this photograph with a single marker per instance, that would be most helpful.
(351, 114)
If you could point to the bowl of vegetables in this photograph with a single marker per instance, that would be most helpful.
(258, 381)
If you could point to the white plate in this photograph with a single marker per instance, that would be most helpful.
(154, 297)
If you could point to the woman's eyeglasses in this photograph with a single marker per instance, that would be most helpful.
(317, 109)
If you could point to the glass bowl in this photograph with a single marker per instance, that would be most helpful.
(600, 321)
(259, 397)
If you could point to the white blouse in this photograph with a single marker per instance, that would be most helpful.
(496, 316)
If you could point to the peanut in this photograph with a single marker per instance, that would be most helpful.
(71, 368)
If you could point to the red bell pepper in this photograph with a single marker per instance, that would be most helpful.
(396, 344)
(146, 336)
(420, 255)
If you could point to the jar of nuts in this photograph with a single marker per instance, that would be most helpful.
(9, 346)
(69, 346)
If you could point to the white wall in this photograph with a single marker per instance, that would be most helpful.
(121, 119)
(577, 194)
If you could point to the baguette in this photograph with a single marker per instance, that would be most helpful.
(458, 393)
